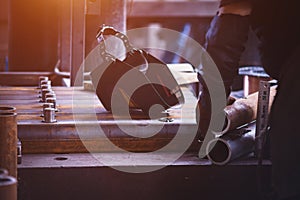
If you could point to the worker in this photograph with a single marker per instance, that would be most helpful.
(276, 25)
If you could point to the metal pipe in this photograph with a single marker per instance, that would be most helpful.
(8, 188)
(231, 145)
(8, 140)
(243, 111)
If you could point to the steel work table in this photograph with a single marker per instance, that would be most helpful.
(55, 164)
(63, 137)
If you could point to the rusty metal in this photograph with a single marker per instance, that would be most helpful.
(21, 78)
(232, 145)
(243, 111)
(8, 140)
(49, 115)
(8, 188)
(11, 109)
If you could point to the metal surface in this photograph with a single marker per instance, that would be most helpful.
(62, 136)
(262, 117)
(8, 140)
(232, 145)
(8, 188)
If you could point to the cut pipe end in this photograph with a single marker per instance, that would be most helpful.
(218, 152)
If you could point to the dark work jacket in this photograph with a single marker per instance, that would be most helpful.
(277, 25)
(276, 22)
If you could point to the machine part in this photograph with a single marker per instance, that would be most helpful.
(46, 82)
(49, 115)
(53, 101)
(3, 172)
(46, 105)
(42, 78)
(43, 87)
(243, 111)
(19, 152)
(44, 92)
(8, 140)
(232, 145)
(51, 95)
(262, 117)
(8, 188)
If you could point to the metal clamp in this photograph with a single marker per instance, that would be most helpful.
(108, 30)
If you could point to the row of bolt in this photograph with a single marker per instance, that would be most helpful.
(48, 98)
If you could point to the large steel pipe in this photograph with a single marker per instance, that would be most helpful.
(243, 111)
(233, 145)
(8, 188)
(8, 140)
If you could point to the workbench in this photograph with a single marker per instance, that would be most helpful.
(78, 108)
(55, 164)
